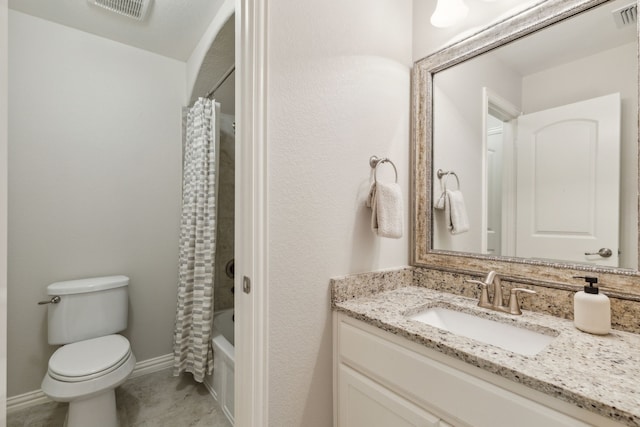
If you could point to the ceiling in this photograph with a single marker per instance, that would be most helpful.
(584, 35)
(172, 28)
(218, 61)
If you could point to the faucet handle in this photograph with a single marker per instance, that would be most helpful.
(514, 307)
(484, 294)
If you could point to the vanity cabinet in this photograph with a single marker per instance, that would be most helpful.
(383, 380)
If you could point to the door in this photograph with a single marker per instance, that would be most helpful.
(494, 186)
(568, 174)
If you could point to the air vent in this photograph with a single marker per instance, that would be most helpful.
(136, 9)
(626, 16)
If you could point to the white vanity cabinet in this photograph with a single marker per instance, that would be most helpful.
(383, 380)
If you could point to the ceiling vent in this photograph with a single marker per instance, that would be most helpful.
(136, 9)
(626, 16)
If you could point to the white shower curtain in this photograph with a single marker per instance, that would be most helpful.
(192, 336)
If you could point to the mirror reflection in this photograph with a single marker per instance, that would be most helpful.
(536, 145)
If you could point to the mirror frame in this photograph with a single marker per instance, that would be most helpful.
(618, 282)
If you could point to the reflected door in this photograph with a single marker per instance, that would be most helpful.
(568, 174)
(494, 186)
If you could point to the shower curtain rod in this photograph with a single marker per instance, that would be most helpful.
(221, 81)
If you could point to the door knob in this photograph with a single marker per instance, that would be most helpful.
(603, 252)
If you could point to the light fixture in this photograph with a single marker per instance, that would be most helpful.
(448, 13)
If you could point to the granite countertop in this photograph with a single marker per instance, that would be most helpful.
(598, 373)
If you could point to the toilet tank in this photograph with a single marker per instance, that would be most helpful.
(88, 308)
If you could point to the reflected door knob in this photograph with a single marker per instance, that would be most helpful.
(603, 252)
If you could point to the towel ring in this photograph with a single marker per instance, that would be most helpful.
(375, 161)
(445, 174)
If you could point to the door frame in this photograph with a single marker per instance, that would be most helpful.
(494, 104)
(251, 225)
(4, 111)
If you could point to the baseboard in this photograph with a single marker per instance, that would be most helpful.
(37, 397)
(26, 400)
(150, 366)
(209, 387)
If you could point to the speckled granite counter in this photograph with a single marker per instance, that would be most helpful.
(598, 373)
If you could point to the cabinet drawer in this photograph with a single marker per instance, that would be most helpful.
(365, 403)
(447, 392)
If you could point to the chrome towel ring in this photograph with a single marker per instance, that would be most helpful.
(445, 174)
(375, 161)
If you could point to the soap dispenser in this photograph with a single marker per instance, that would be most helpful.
(591, 309)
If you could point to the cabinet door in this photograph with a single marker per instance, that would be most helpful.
(364, 403)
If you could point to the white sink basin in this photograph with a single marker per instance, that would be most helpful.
(508, 337)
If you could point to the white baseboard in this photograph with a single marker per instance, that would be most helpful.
(37, 397)
(209, 387)
(150, 366)
(26, 400)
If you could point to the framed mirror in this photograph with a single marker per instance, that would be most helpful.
(525, 147)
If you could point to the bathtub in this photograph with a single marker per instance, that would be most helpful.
(221, 383)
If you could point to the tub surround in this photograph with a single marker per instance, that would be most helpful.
(597, 373)
(221, 382)
(222, 283)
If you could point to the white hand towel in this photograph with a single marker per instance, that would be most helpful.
(371, 195)
(455, 212)
(441, 202)
(387, 216)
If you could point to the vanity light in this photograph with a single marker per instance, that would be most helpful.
(448, 13)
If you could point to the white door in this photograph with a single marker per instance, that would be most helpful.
(568, 174)
(494, 186)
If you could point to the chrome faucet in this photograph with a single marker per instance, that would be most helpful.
(498, 304)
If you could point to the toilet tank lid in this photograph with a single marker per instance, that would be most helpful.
(87, 285)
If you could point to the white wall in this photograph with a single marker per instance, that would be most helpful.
(94, 183)
(338, 92)
(458, 135)
(3, 205)
(611, 71)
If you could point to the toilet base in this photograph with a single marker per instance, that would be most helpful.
(97, 411)
(92, 403)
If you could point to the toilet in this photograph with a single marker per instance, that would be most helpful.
(85, 316)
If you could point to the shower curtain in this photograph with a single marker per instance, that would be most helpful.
(192, 336)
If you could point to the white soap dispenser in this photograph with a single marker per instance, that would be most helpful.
(591, 309)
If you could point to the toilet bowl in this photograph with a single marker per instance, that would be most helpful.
(85, 374)
(94, 360)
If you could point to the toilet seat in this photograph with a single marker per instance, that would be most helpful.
(89, 359)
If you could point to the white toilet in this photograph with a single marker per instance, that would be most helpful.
(94, 360)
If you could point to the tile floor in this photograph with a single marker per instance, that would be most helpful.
(154, 400)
